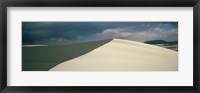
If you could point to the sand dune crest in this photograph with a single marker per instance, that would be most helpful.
(123, 55)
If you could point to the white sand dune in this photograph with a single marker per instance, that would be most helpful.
(123, 55)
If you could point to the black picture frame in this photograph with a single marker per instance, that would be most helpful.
(100, 3)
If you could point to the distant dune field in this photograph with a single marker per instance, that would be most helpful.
(172, 47)
(123, 55)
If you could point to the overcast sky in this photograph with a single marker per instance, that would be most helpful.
(69, 32)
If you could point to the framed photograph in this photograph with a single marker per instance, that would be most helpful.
(99, 46)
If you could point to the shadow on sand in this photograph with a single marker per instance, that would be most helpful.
(43, 58)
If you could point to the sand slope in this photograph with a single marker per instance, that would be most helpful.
(123, 55)
(43, 58)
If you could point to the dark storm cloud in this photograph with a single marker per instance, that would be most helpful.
(35, 31)
(65, 32)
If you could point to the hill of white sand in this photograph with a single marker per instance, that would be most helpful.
(123, 55)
